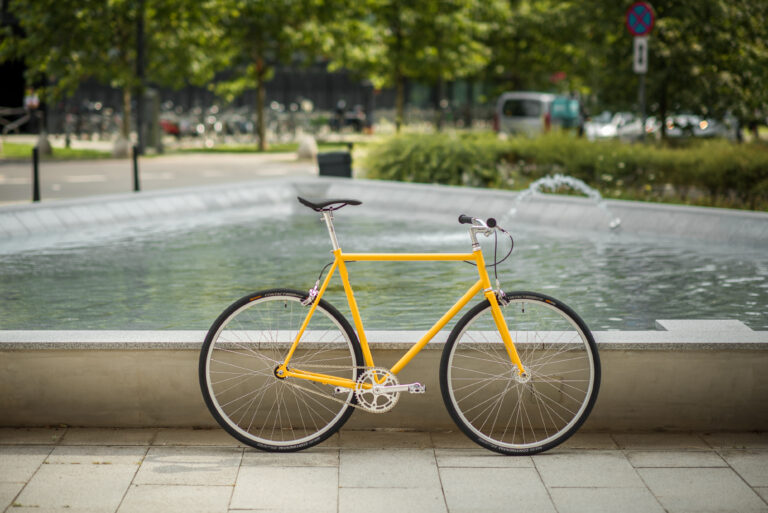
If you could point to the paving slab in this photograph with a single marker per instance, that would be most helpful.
(176, 499)
(675, 458)
(751, 465)
(479, 458)
(737, 440)
(451, 473)
(93, 488)
(30, 436)
(660, 441)
(495, 490)
(195, 437)
(19, 463)
(294, 490)
(388, 468)
(190, 466)
(314, 457)
(452, 440)
(384, 439)
(9, 491)
(100, 436)
(698, 490)
(587, 469)
(387, 500)
(587, 440)
(605, 500)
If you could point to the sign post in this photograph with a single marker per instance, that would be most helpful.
(640, 20)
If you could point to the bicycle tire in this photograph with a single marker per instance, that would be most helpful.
(480, 387)
(237, 371)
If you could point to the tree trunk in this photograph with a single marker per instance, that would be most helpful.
(261, 127)
(468, 107)
(663, 109)
(439, 94)
(126, 128)
(399, 101)
(122, 146)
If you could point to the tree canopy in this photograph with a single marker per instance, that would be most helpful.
(706, 56)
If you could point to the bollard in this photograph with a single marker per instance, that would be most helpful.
(136, 187)
(35, 174)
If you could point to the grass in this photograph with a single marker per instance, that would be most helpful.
(21, 151)
(253, 148)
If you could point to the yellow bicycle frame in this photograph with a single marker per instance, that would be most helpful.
(340, 263)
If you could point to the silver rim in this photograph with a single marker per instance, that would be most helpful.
(240, 377)
(519, 414)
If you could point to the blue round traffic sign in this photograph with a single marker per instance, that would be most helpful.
(640, 19)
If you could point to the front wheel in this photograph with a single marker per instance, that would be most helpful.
(488, 399)
(239, 360)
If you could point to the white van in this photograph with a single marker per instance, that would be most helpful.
(523, 112)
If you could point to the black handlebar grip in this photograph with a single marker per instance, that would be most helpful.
(465, 219)
(491, 222)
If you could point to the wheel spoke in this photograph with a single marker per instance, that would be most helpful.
(240, 358)
(502, 410)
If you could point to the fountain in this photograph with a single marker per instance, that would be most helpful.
(554, 182)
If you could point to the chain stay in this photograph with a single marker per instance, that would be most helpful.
(330, 396)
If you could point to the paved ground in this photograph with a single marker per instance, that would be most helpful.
(68, 179)
(164, 470)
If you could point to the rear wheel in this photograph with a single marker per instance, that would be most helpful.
(484, 392)
(238, 364)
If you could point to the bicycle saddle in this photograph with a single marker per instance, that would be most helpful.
(328, 205)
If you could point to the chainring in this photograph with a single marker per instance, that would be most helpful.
(369, 398)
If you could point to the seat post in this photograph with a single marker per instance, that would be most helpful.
(328, 217)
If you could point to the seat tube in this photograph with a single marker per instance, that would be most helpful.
(328, 217)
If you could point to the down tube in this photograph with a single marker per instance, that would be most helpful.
(466, 298)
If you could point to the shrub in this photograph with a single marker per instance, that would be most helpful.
(709, 172)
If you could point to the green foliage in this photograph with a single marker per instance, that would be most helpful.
(443, 158)
(65, 42)
(712, 172)
(19, 151)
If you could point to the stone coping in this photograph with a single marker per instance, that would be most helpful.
(672, 335)
(397, 200)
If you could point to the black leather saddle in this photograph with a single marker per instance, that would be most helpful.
(328, 205)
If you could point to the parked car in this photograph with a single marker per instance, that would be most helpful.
(600, 127)
(523, 112)
(532, 113)
(682, 125)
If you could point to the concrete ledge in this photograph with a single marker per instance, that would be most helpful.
(699, 379)
(441, 203)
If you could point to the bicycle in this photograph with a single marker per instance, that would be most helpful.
(282, 369)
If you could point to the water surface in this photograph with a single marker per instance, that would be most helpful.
(181, 274)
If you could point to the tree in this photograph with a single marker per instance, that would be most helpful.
(391, 41)
(67, 41)
(255, 37)
(452, 42)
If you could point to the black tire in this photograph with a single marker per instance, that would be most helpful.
(237, 371)
(481, 386)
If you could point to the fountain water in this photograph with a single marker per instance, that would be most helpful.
(554, 182)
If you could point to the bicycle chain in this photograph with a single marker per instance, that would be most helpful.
(331, 397)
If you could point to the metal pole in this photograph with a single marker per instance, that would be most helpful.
(35, 174)
(140, 66)
(136, 187)
(641, 95)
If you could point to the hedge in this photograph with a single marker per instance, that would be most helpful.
(704, 172)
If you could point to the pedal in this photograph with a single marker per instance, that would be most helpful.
(416, 388)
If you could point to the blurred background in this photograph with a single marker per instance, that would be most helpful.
(261, 71)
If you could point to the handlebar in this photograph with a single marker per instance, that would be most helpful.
(465, 219)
